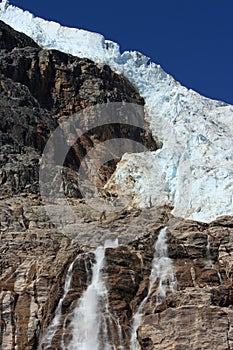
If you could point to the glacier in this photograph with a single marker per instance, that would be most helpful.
(193, 169)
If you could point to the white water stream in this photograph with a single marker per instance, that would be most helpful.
(162, 270)
(92, 317)
(93, 326)
(209, 263)
(52, 328)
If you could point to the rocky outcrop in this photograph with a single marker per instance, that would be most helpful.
(24, 130)
(189, 327)
(10, 38)
(37, 261)
(199, 314)
(37, 88)
(63, 83)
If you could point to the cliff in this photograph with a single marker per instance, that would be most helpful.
(46, 274)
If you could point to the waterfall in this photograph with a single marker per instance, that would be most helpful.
(208, 264)
(52, 328)
(162, 270)
(92, 318)
(93, 326)
(220, 279)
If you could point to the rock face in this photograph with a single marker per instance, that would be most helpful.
(35, 259)
(44, 272)
(10, 38)
(40, 86)
(199, 314)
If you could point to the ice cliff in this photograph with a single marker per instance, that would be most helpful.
(193, 169)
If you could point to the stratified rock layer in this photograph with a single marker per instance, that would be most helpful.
(35, 259)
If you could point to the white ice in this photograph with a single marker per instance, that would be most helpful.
(193, 170)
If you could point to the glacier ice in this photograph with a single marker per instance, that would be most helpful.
(193, 170)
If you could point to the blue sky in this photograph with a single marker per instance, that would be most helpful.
(191, 39)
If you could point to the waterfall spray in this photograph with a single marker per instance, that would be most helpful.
(90, 319)
(52, 328)
(162, 270)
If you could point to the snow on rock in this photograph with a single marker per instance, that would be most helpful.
(193, 170)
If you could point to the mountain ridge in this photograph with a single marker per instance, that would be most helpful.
(190, 309)
(179, 119)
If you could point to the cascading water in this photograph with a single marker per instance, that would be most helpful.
(162, 270)
(51, 330)
(220, 279)
(93, 326)
(209, 263)
(91, 319)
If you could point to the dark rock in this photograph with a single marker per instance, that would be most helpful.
(10, 38)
